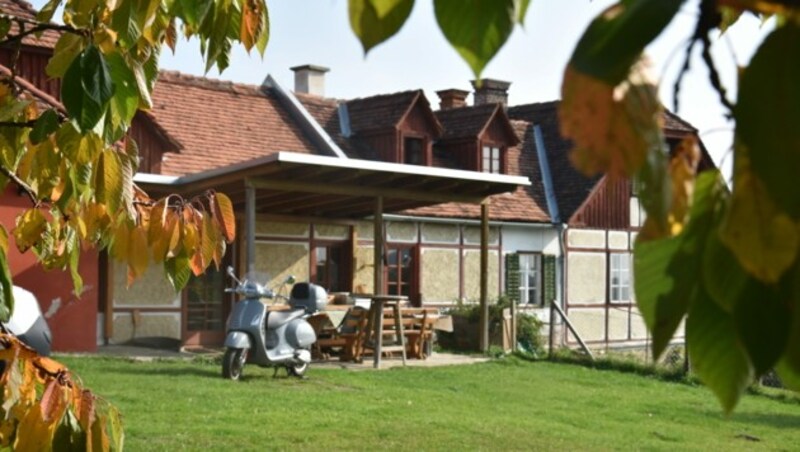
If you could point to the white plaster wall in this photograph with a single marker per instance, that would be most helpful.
(150, 324)
(633, 239)
(618, 240)
(530, 239)
(586, 278)
(618, 324)
(638, 327)
(634, 211)
(440, 233)
(439, 275)
(585, 238)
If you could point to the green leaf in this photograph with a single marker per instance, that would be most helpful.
(194, 11)
(789, 377)
(69, 45)
(263, 37)
(6, 288)
(5, 26)
(125, 101)
(522, 10)
(87, 88)
(178, 271)
(762, 321)
(616, 39)
(716, 356)
(792, 287)
(668, 272)
(68, 435)
(46, 124)
(46, 13)
(723, 277)
(768, 112)
(374, 21)
(477, 29)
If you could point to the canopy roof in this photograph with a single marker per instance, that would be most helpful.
(289, 183)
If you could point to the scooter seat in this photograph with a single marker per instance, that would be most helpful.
(275, 319)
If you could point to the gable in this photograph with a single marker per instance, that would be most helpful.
(420, 120)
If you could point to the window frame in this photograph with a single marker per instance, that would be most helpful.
(524, 271)
(617, 289)
(426, 151)
(313, 276)
(501, 158)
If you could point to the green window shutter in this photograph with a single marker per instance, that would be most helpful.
(548, 278)
(512, 277)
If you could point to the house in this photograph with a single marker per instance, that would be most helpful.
(330, 190)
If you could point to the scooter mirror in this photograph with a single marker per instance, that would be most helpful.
(230, 271)
(290, 280)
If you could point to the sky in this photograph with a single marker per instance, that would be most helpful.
(533, 59)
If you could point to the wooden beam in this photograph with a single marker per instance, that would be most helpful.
(484, 332)
(356, 190)
(250, 225)
(278, 218)
(377, 261)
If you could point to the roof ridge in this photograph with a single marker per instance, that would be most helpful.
(26, 6)
(198, 81)
(385, 95)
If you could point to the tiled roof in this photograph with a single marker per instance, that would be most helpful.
(571, 186)
(24, 10)
(526, 204)
(379, 112)
(673, 122)
(465, 122)
(325, 112)
(220, 123)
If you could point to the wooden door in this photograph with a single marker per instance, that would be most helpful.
(206, 309)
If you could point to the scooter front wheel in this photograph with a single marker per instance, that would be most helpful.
(233, 363)
(297, 370)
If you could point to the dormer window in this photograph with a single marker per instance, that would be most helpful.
(414, 151)
(492, 159)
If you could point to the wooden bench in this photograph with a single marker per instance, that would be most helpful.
(417, 328)
(349, 336)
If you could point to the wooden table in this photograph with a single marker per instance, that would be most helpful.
(374, 338)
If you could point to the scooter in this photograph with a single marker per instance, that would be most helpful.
(279, 339)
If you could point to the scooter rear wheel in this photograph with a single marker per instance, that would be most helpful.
(233, 363)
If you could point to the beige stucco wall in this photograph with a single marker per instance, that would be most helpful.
(331, 231)
(149, 324)
(440, 275)
(588, 322)
(279, 260)
(472, 275)
(364, 230)
(363, 269)
(472, 235)
(586, 278)
(638, 327)
(618, 324)
(277, 229)
(440, 233)
(151, 290)
(401, 232)
(583, 238)
(618, 240)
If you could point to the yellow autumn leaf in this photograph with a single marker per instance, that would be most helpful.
(251, 23)
(119, 246)
(682, 171)
(29, 229)
(158, 217)
(223, 214)
(764, 239)
(613, 128)
(138, 254)
(208, 239)
(3, 239)
(175, 233)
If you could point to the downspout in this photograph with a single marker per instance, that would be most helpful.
(555, 217)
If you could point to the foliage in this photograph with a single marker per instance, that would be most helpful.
(726, 259)
(76, 164)
(529, 327)
(43, 405)
(508, 404)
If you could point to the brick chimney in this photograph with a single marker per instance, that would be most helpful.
(452, 98)
(491, 91)
(309, 79)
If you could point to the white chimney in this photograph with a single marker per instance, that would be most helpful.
(309, 79)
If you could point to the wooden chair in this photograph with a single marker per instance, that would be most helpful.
(349, 336)
(421, 332)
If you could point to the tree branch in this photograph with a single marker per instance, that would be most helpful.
(26, 124)
(37, 28)
(25, 187)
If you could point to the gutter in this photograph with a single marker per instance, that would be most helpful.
(296, 109)
(395, 217)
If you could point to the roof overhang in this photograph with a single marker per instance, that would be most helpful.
(289, 183)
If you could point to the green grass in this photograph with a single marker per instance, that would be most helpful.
(503, 405)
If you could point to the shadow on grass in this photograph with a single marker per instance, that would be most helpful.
(203, 372)
(781, 420)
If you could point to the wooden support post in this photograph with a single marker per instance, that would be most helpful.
(377, 280)
(484, 332)
(250, 224)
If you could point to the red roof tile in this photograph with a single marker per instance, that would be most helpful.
(465, 122)
(43, 100)
(24, 10)
(380, 112)
(220, 123)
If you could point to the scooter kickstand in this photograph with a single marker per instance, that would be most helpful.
(275, 373)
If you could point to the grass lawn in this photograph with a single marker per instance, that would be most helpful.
(502, 405)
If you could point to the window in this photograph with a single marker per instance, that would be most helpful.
(328, 262)
(530, 278)
(620, 278)
(490, 159)
(414, 151)
(400, 270)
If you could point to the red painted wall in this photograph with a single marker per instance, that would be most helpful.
(72, 319)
